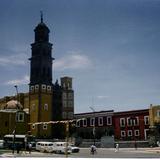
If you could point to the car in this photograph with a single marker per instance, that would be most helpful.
(1, 143)
(60, 147)
(73, 148)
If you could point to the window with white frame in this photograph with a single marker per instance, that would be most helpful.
(84, 122)
(92, 121)
(158, 113)
(129, 133)
(32, 88)
(136, 121)
(136, 132)
(129, 121)
(100, 121)
(43, 86)
(36, 86)
(123, 133)
(109, 120)
(33, 126)
(45, 127)
(78, 123)
(48, 88)
(46, 107)
(146, 120)
(20, 117)
(122, 122)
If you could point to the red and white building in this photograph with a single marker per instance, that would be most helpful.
(98, 123)
(131, 125)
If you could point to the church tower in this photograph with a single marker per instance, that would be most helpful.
(40, 87)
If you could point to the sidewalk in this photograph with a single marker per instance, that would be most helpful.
(21, 154)
(155, 149)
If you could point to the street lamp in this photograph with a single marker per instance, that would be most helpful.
(16, 87)
(67, 132)
(94, 127)
(14, 131)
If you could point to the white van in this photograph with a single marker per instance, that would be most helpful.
(44, 146)
(60, 147)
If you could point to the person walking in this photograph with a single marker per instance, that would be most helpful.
(30, 148)
(93, 149)
(117, 147)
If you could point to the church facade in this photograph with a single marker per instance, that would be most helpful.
(46, 101)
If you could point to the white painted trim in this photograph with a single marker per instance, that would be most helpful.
(109, 117)
(78, 123)
(99, 119)
(122, 119)
(49, 88)
(92, 119)
(145, 120)
(43, 87)
(44, 126)
(129, 120)
(145, 133)
(123, 135)
(84, 121)
(129, 133)
(36, 86)
(136, 131)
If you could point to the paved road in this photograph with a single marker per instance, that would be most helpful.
(101, 153)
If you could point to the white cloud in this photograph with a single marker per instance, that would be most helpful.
(102, 97)
(18, 59)
(72, 61)
(24, 80)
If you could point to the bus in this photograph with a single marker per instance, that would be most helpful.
(11, 140)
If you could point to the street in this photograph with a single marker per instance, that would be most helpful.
(101, 153)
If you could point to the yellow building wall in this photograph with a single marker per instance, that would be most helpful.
(33, 110)
(26, 101)
(46, 115)
(39, 114)
(8, 123)
(154, 119)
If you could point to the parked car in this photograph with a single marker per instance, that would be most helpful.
(1, 143)
(73, 148)
(44, 146)
(60, 147)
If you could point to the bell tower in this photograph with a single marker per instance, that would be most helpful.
(40, 87)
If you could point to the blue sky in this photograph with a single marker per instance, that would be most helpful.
(111, 48)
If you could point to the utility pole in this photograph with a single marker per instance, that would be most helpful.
(67, 132)
(94, 126)
(14, 131)
(133, 119)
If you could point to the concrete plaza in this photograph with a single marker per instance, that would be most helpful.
(101, 153)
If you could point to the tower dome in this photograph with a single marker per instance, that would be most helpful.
(13, 104)
(41, 31)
